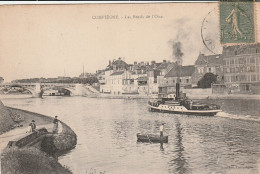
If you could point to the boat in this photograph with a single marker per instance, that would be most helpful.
(181, 105)
(151, 138)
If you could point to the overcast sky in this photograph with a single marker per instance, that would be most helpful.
(43, 41)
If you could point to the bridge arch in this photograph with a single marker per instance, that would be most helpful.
(32, 91)
(66, 91)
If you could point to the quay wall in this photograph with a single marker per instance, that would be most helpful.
(36, 152)
(66, 140)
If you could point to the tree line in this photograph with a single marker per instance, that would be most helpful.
(88, 80)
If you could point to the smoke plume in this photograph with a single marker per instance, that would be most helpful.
(177, 53)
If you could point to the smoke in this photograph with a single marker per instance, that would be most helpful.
(177, 53)
(181, 38)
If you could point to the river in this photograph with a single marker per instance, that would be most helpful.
(106, 129)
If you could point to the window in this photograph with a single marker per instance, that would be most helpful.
(237, 78)
(173, 81)
(253, 78)
(227, 62)
(252, 60)
(187, 80)
(209, 70)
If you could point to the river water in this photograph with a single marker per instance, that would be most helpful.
(106, 129)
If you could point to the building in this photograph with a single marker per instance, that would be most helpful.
(152, 75)
(120, 82)
(208, 64)
(241, 68)
(183, 74)
(137, 78)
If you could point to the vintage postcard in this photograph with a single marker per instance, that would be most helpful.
(151, 88)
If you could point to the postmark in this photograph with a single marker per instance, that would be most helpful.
(237, 22)
(210, 32)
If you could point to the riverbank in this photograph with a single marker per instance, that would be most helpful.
(228, 96)
(23, 158)
(190, 96)
(30, 160)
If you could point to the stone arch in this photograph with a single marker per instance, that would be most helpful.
(31, 90)
(67, 89)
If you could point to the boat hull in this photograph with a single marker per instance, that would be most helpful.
(151, 138)
(187, 112)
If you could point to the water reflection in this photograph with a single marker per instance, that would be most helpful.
(161, 147)
(179, 161)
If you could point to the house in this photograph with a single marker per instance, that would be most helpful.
(178, 73)
(121, 83)
(208, 64)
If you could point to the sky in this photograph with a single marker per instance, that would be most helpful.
(56, 40)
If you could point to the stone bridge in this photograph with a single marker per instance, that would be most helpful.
(37, 89)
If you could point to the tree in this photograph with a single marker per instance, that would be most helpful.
(206, 80)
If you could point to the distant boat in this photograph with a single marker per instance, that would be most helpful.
(151, 138)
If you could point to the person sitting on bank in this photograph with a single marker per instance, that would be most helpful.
(33, 126)
(55, 125)
(161, 129)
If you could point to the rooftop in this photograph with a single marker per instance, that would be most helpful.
(181, 71)
(117, 73)
(209, 60)
(142, 79)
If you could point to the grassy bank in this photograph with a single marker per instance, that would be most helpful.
(6, 120)
(30, 160)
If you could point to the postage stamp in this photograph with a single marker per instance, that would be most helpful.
(237, 23)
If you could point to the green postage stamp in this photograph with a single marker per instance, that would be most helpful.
(237, 22)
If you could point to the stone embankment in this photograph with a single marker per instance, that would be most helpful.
(29, 159)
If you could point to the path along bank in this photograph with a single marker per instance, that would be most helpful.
(30, 159)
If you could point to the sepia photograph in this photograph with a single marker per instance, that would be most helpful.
(130, 88)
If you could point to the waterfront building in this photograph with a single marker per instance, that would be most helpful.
(208, 64)
(105, 82)
(137, 78)
(241, 68)
(120, 82)
(181, 73)
(152, 75)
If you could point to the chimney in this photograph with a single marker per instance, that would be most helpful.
(164, 61)
(135, 63)
(177, 90)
